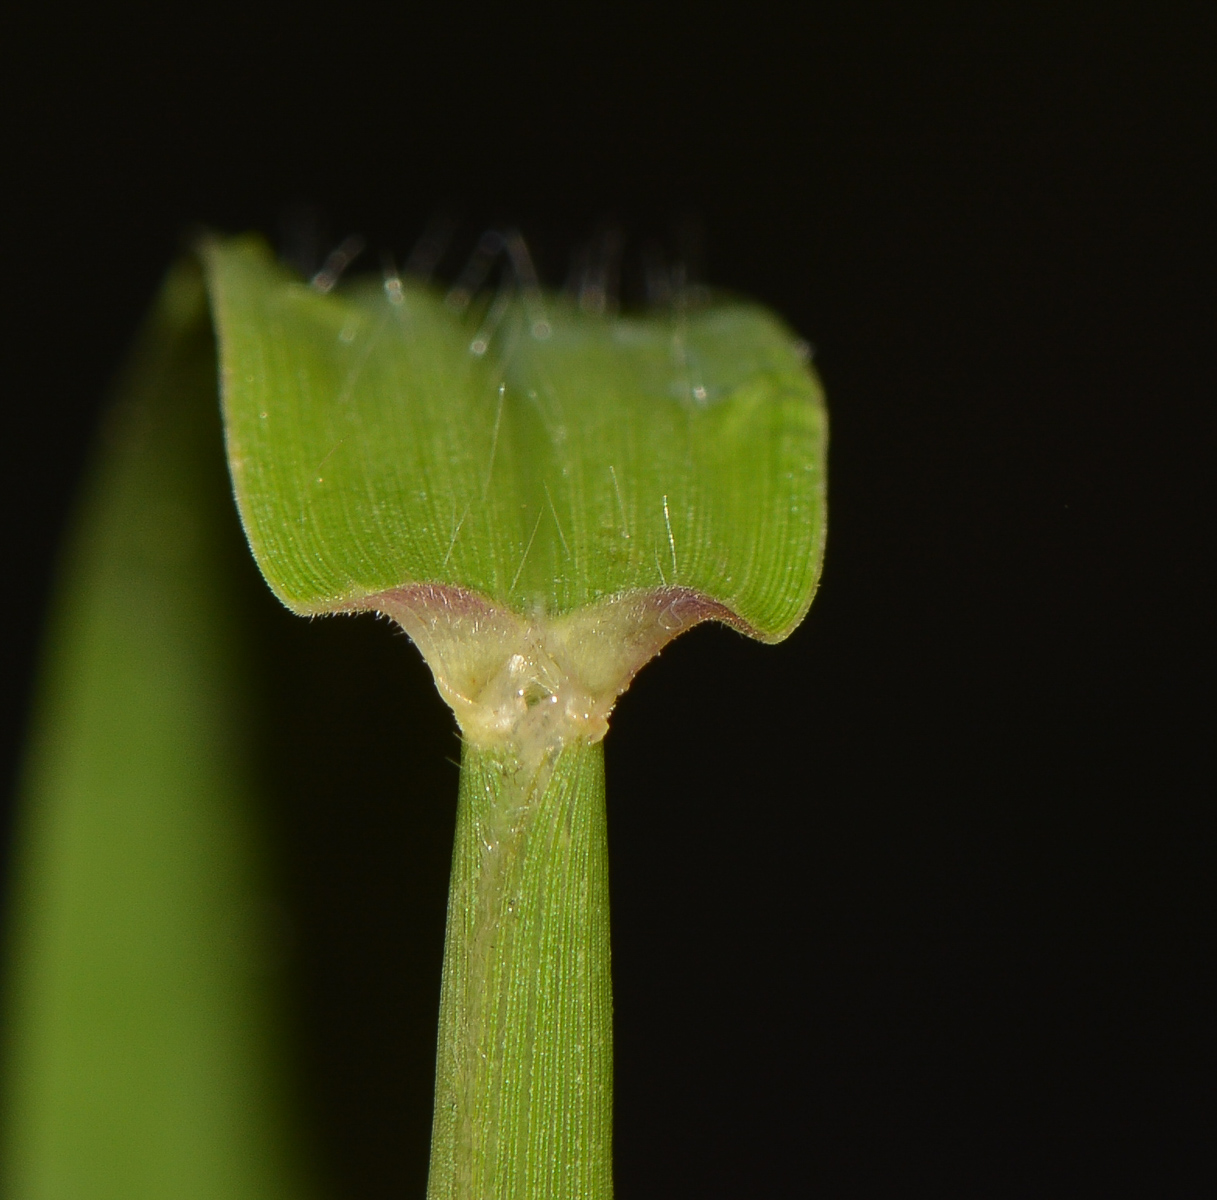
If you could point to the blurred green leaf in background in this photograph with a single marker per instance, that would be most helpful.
(143, 1028)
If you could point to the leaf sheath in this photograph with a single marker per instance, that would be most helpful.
(523, 1105)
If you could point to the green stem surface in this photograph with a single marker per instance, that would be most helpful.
(524, 1095)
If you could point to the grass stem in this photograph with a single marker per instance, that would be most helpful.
(523, 1104)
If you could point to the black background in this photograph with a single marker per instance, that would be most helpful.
(918, 901)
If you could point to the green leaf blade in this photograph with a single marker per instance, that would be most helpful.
(373, 448)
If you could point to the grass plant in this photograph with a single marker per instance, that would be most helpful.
(542, 493)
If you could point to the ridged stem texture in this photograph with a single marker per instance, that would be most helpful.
(523, 1103)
